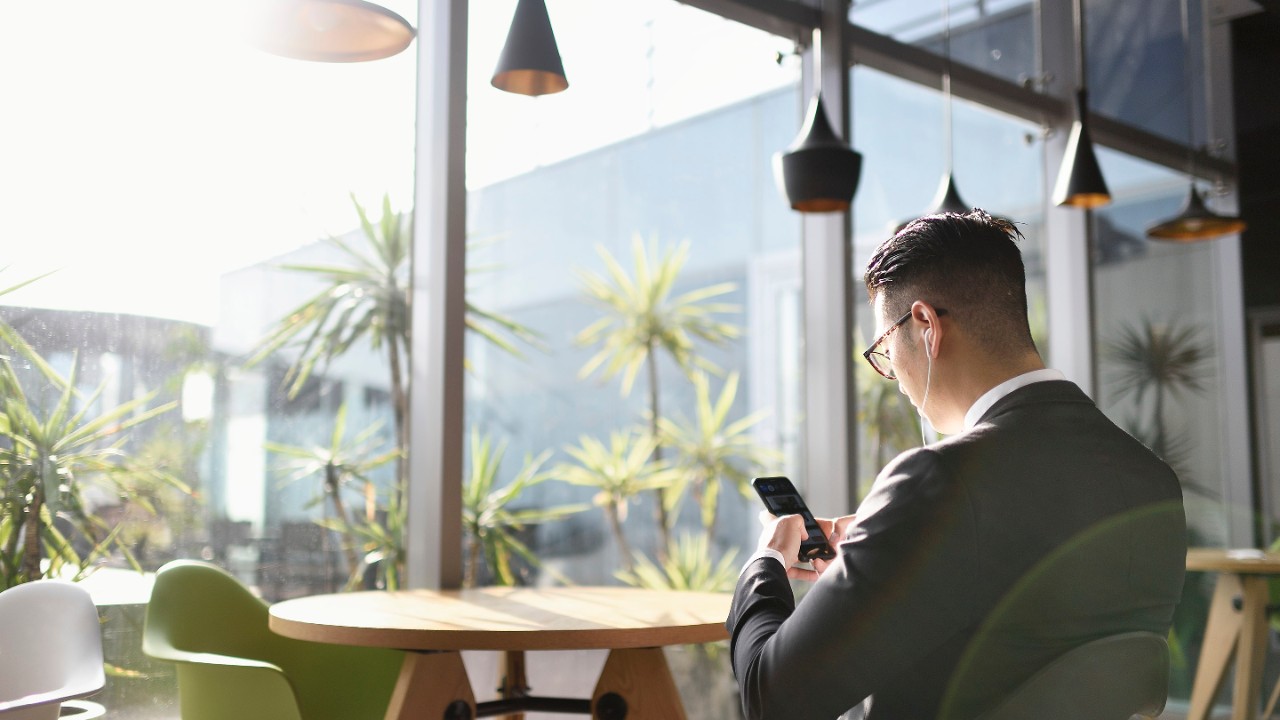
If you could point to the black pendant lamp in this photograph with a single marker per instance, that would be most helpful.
(1080, 183)
(530, 61)
(331, 30)
(947, 199)
(1196, 221)
(819, 172)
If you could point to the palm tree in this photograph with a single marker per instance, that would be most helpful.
(49, 456)
(1162, 361)
(642, 318)
(709, 451)
(367, 300)
(337, 465)
(890, 422)
(689, 566)
(487, 516)
(621, 472)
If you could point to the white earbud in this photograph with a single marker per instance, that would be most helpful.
(928, 342)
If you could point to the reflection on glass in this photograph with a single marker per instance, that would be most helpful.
(1159, 349)
(999, 163)
(1136, 65)
(632, 225)
(995, 36)
(153, 236)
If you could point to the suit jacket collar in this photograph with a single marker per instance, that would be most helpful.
(1049, 391)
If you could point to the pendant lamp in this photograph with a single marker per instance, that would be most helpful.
(530, 61)
(1196, 221)
(331, 30)
(1080, 183)
(947, 199)
(819, 172)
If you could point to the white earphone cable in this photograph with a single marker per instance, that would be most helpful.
(928, 380)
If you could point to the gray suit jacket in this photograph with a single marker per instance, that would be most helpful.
(973, 562)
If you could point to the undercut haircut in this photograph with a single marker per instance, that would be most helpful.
(967, 263)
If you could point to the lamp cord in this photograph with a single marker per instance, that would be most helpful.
(1083, 79)
(946, 85)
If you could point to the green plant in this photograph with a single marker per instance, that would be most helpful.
(337, 465)
(711, 450)
(489, 520)
(1159, 362)
(620, 472)
(641, 318)
(688, 566)
(367, 300)
(49, 457)
(886, 416)
(379, 533)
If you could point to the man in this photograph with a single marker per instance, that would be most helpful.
(1038, 525)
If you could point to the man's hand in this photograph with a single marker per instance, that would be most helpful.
(782, 535)
(834, 529)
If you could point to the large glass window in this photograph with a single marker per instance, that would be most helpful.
(899, 129)
(997, 37)
(1139, 70)
(158, 176)
(1160, 357)
(643, 267)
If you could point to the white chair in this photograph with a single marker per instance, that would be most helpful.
(50, 651)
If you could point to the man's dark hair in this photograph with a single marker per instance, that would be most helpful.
(966, 263)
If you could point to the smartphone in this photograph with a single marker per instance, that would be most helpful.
(782, 498)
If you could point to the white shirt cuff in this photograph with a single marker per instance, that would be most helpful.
(763, 553)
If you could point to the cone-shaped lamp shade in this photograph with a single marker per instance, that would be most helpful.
(1080, 182)
(819, 172)
(331, 30)
(1195, 222)
(530, 61)
(946, 201)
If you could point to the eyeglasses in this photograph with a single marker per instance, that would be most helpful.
(878, 359)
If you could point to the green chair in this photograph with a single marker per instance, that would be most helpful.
(232, 667)
(1114, 678)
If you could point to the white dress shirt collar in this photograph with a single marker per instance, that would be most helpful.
(994, 395)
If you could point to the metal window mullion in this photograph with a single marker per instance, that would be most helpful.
(433, 532)
(1068, 275)
(826, 246)
(1237, 440)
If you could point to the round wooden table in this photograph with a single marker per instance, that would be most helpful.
(433, 626)
(1236, 628)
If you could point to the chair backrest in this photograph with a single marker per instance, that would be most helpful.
(1113, 678)
(51, 645)
(196, 607)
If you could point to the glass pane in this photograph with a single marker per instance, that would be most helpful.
(995, 36)
(163, 172)
(663, 141)
(1159, 353)
(1139, 70)
(899, 129)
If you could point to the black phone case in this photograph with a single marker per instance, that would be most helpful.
(816, 546)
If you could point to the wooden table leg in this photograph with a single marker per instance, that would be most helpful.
(1250, 648)
(1221, 632)
(641, 678)
(513, 682)
(429, 683)
(1233, 634)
